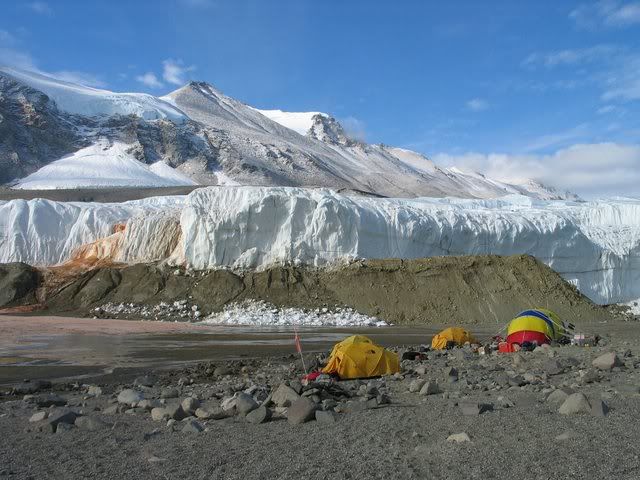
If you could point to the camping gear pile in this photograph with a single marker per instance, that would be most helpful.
(357, 357)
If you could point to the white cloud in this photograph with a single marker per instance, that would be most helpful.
(174, 72)
(150, 80)
(606, 13)
(41, 8)
(477, 104)
(588, 169)
(571, 57)
(82, 78)
(606, 109)
(623, 82)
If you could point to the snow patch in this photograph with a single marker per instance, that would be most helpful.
(266, 315)
(102, 164)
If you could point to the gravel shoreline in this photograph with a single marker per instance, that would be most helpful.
(501, 416)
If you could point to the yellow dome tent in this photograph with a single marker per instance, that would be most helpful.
(358, 357)
(451, 335)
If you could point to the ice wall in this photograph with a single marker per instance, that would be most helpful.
(594, 245)
(42, 232)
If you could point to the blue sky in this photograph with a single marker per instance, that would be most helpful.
(542, 89)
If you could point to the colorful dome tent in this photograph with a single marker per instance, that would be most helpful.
(538, 325)
(358, 357)
(451, 336)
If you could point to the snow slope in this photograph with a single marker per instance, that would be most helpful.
(81, 100)
(594, 245)
(102, 164)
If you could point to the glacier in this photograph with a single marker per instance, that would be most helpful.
(594, 245)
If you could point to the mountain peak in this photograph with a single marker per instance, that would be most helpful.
(327, 129)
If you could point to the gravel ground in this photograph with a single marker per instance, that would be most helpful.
(396, 434)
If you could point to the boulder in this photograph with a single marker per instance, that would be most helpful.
(430, 388)
(61, 416)
(284, 396)
(38, 417)
(190, 405)
(575, 403)
(158, 414)
(259, 415)
(300, 411)
(416, 385)
(175, 412)
(245, 403)
(458, 438)
(607, 361)
(27, 388)
(558, 397)
(130, 397)
(451, 374)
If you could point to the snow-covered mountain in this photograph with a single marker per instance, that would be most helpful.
(206, 137)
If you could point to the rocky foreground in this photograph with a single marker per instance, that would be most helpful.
(561, 412)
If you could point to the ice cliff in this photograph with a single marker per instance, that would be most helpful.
(594, 245)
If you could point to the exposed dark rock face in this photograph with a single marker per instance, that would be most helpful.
(18, 284)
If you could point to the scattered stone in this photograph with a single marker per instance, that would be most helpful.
(27, 388)
(575, 403)
(258, 415)
(169, 392)
(94, 391)
(175, 412)
(59, 417)
(589, 376)
(329, 404)
(111, 410)
(505, 402)
(300, 411)
(458, 438)
(430, 388)
(50, 400)
(451, 374)
(284, 396)
(558, 397)
(130, 397)
(149, 404)
(416, 385)
(190, 405)
(192, 426)
(158, 414)
(326, 417)
(607, 361)
(245, 403)
(599, 408)
(38, 417)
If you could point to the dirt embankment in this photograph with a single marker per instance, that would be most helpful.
(470, 289)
